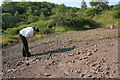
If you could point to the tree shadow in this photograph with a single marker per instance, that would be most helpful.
(54, 51)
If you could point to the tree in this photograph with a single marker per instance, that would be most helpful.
(32, 19)
(99, 3)
(119, 3)
(83, 5)
(8, 21)
(42, 16)
(59, 9)
(9, 7)
(29, 11)
(17, 16)
(93, 3)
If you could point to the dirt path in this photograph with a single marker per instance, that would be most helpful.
(91, 53)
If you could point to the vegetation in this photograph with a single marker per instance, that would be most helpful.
(103, 4)
(83, 5)
(51, 18)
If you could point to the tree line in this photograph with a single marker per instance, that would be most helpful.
(15, 14)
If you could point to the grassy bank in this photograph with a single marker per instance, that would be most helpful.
(106, 19)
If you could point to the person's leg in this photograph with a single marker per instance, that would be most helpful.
(23, 52)
(25, 47)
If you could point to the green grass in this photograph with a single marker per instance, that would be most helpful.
(8, 40)
(106, 19)
(62, 29)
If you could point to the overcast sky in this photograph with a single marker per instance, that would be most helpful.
(72, 3)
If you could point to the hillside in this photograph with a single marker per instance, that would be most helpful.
(52, 18)
(84, 54)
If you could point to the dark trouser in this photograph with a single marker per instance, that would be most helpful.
(25, 50)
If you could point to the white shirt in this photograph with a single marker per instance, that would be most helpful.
(27, 32)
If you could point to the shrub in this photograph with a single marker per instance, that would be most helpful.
(116, 7)
(15, 30)
(8, 21)
(69, 20)
(46, 30)
(116, 14)
(92, 24)
(76, 21)
(92, 11)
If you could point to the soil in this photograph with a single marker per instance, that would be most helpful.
(68, 55)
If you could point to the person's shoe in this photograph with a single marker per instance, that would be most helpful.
(28, 55)
(23, 54)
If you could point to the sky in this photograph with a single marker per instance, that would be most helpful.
(72, 3)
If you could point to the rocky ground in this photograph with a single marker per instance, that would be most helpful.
(83, 54)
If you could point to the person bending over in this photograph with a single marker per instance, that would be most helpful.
(25, 34)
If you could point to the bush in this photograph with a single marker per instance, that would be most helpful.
(15, 30)
(116, 14)
(32, 19)
(45, 27)
(92, 11)
(46, 30)
(75, 21)
(92, 24)
(116, 7)
(69, 20)
(8, 21)
(9, 40)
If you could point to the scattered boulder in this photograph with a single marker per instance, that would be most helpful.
(19, 63)
(11, 70)
(107, 68)
(89, 54)
(85, 57)
(78, 53)
(78, 71)
(89, 75)
(27, 64)
(47, 74)
(83, 75)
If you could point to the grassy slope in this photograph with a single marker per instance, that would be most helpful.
(106, 19)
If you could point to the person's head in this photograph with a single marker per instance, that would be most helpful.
(36, 30)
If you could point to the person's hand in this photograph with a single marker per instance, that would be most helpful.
(27, 38)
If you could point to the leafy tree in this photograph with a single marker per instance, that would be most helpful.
(42, 17)
(119, 3)
(29, 11)
(18, 13)
(59, 9)
(83, 5)
(93, 3)
(8, 21)
(32, 19)
(9, 7)
(17, 16)
(99, 3)
(92, 12)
